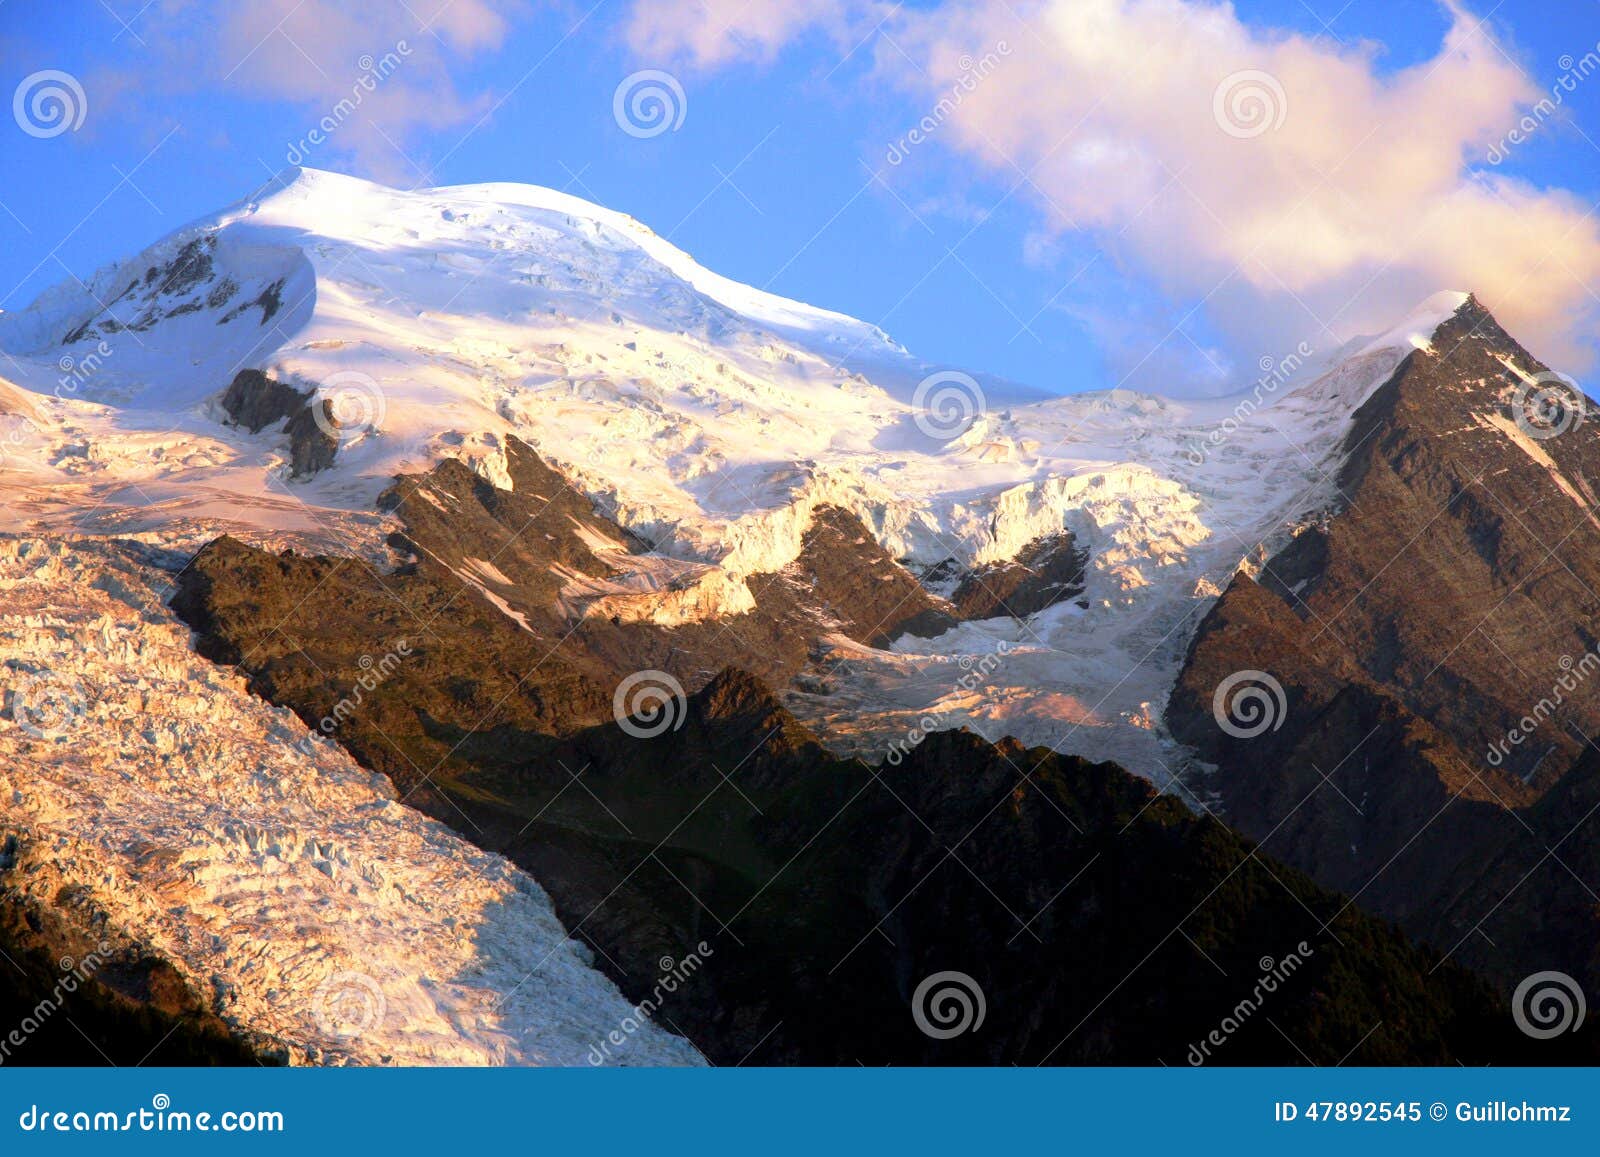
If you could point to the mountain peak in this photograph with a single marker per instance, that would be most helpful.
(1416, 329)
(695, 432)
(1446, 299)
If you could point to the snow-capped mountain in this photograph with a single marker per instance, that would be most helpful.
(710, 418)
(563, 456)
(1400, 702)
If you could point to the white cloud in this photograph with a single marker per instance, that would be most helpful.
(316, 53)
(712, 32)
(1356, 193)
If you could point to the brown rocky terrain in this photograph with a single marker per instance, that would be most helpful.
(1445, 605)
(1102, 923)
(256, 401)
(1047, 571)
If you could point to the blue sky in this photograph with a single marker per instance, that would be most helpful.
(778, 175)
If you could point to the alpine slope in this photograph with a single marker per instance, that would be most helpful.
(707, 417)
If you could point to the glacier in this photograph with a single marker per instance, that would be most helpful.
(323, 919)
(708, 417)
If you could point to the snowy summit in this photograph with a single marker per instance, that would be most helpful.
(709, 417)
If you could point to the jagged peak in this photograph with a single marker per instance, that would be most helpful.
(734, 692)
(1420, 323)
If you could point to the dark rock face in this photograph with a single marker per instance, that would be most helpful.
(1047, 571)
(188, 283)
(1101, 924)
(870, 596)
(1084, 908)
(1463, 566)
(543, 529)
(256, 401)
(1448, 604)
(540, 524)
(1539, 867)
(268, 301)
(302, 625)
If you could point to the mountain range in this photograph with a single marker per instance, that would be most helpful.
(430, 619)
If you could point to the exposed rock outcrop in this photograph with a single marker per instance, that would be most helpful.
(1047, 571)
(815, 895)
(255, 401)
(1434, 640)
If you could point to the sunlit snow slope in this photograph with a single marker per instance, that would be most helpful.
(320, 917)
(709, 417)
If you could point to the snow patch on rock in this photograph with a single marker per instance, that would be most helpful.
(710, 419)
